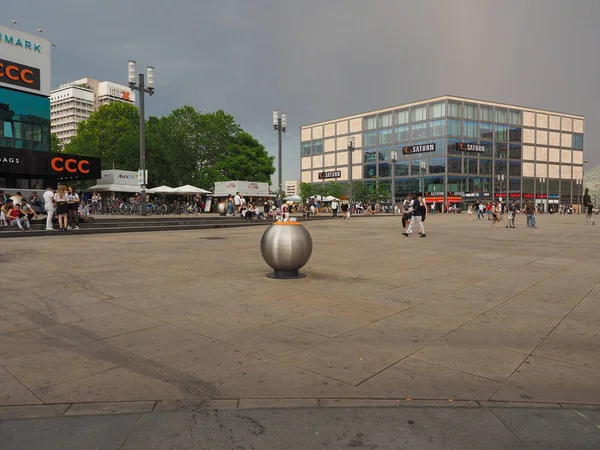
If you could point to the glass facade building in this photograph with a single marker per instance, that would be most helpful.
(24, 120)
(483, 150)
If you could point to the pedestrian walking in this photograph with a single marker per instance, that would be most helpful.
(530, 211)
(334, 208)
(418, 210)
(406, 211)
(50, 207)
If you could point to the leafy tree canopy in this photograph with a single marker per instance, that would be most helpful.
(183, 147)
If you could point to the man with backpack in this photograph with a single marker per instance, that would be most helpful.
(406, 214)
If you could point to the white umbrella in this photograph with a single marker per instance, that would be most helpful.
(293, 198)
(190, 190)
(161, 190)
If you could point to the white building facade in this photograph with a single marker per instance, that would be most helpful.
(291, 188)
(453, 150)
(73, 102)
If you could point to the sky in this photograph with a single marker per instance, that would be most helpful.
(321, 59)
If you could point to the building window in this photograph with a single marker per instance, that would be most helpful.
(501, 150)
(401, 168)
(370, 123)
(370, 155)
(514, 151)
(402, 117)
(437, 110)
(454, 128)
(489, 149)
(501, 133)
(486, 131)
(418, 113)
(418, 131)
(437, 128)
(500, 167)
(318, 146)
(485, 166)
(452, 147)
(515, 118)
(470, 165)
(515, 185)
(437, 165)
(385, 136)
(471, 130)
(515, 134)
(486, 113)
(384, 154)
(454, 109)
(514, 168)
(370, 138)
(385, 120)
(416, 167)
(434, 184)
(454, 165)
(470, 111)
(578, 141)
(501, 115)
(370, 171)
(306, 148)
(385, 170)
(440, 146)
(482, 185)
(402, 133)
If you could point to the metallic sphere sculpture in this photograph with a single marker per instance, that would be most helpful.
(222, 208)
(286, 247)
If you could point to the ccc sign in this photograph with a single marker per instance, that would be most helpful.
(70, 165)
(19, 75)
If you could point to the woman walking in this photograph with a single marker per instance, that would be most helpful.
(62, 208)
(73, 202)
(470, 213)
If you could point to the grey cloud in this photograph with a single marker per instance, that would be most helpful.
(319, 59)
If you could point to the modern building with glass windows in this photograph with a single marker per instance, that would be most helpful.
(477, 150)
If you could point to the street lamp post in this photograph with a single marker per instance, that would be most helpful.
(542, 181)
(280, 125)
(394, 156)
(579, 200)
(351, 142)
(500, 178)
(142, 89)
(423, 167)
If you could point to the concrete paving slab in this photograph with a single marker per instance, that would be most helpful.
(414, 379)
(30, 411)
(89, 409)
(12, 391)
(134, 382)
(114, 325)
(546, 427)
(325, 323)
(544, 380)
(195, 405)
(84, 311)
(24, 321)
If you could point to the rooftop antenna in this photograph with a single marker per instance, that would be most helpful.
(14, 22)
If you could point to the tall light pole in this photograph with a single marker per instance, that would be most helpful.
(500, 178)
(542, 181)
(280, 125)
(350, 143)
(394, 156)
(423, 167)
(579, 200)
(142, 89)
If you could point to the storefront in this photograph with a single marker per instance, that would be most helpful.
(29, 170)
(26, 164)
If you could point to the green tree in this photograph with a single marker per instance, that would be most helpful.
(55, 146)
(307, 190)
(244, 159)
(361, 191)
(334, 188)
(112, 134)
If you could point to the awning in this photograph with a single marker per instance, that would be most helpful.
(190, 190)
(113, 188)
(161, 190)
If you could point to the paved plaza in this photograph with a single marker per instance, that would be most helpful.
(471, 315)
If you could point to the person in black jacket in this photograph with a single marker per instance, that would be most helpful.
(418, 212)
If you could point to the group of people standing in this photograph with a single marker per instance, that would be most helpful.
(64, 202)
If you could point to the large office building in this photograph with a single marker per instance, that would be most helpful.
(291, 188)
(75, 101)
(454, 150)
(26, 162)
(591, 181)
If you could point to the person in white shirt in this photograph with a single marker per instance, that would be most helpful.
(50, 207)
(334, 208)
(237, 203)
